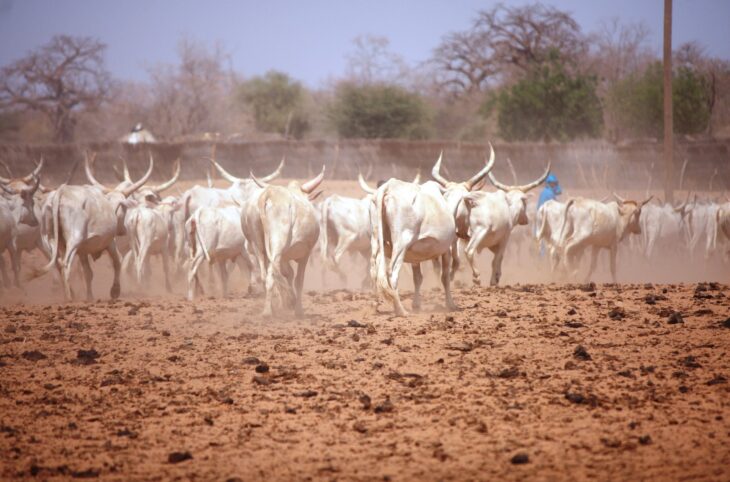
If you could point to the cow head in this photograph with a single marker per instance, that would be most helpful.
(467, 185)
(21, 201)
(630, 212)
(307, 188)
(517, 195)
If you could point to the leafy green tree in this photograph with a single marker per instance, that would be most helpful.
(637, 102)
(278, 104)
(378, 111)
(549, 103)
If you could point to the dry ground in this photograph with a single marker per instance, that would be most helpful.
(115, 389)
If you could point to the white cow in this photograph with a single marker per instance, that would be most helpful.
(549, 223)
(16, 209)
(215, 236)
(147, 228)
(413, 224)
(492, 216)
(454, 194)
(84, 221)
(591, 223)
(286, 231)
(663, 227)
(722, 231)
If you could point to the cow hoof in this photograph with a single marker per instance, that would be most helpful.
(116, 290)
(477, 282)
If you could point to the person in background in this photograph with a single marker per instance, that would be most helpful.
(550, 191)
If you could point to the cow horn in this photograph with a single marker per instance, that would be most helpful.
(259, 182)
(167, 185)
(119, 175)
(312, 184)
(417, 179)
(436, 171)
(8, 189)
(523, 188)
(128, 191)
(7, 169)
(643, 203)
(36, 184)
(364, 185)
(485, 170)
(36, 172)
(125, 170)
(227, 175)
(276, 173)
(88, 162)
(618, 198)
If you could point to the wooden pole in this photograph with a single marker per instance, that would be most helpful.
(668, 124)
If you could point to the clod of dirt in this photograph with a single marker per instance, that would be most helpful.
(33, 355)
(617, 313)
(580, 399)
(726, 323)
(177, 457)
(588, 287)
(572, 311)
(360, 427)
(251, 360)
(574, 324)
(690, 362)
(165, 333)
(464, 346)
(85, 474)
(717, 380)
(675, 318)
(520, 458)
(645, 440)
(611, 442)
(208, 419)
(355, 324)
(581, 353)
(306, 394)
(501, 314)
(385, 407)
(125, 432)
(133, 310)
(683, 389)
(262, 368)
(511, 372)
(86, 357)
(364, 398)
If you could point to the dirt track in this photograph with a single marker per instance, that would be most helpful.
(434, 396)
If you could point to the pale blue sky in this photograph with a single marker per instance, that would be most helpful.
(307, 39)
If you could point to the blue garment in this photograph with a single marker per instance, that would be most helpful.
(551, 191)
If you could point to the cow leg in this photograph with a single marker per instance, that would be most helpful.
(612, 261)
(455, 262)
(367, 280)
(166, 269)
(471, 251)
(193, 281)
(594, 260)
(298, 284)
(15, 264)
(342, 247)
(88, 275)
(396, 263)
(223, 270)
(3, 269)
(446, 281)
(417, 282)
(143, 258)
(497, 262)
(117, 266)
(67, 264)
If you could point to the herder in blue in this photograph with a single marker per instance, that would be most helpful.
(550, 191)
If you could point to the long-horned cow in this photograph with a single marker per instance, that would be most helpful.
(591, 223)
(286, 231)
(492, 216)
(16, 209)
(84, 221)
(454, 194)
(412, 224)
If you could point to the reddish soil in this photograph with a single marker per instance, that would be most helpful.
(578, 382)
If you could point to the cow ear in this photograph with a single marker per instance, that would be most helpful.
(471, 199)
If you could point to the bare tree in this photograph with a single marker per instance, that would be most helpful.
(620, 49)
(503, 41)
(60, 79)
(192, 96)
(372, 61)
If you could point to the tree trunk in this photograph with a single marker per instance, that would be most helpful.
(668, 124)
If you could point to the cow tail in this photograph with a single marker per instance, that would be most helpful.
(55, 221)
(198, 236)
(543, 226)
(280, 283)
(565, 222)
(382, 281)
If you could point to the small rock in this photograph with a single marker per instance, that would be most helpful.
(360, 427)
(355, 324)
(251, 360)
(262, 368)
(364, 398)
(581, 353)
(520, 458)
(572, 311)
(511, 372)
(34, 355)
(165, 333)
(464, 346)
(574, 324)
(261, 380)
(726, 323)
(717, 380)
(690, 362)
(645, 440)
(385, 407)
(306, 394)
(86, 357)
(177, 457)
(675, 318)
(617, 313)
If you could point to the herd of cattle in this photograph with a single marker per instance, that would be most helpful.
(264, 228)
